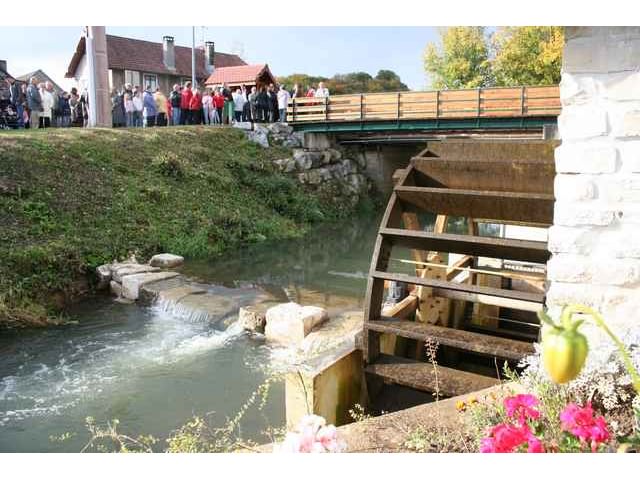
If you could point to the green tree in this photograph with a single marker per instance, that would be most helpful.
(345, 83)
(527, 55)
(461, 60)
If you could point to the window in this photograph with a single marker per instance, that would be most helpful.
(132, 77)
(150, 80)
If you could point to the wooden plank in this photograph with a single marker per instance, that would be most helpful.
(481, 204)
(530, 176)
(527, 301)
(500, 248)
(427, 377)
(469, 341)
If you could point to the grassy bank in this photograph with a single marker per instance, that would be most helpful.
(71, 200)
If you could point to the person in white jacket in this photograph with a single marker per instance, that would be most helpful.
(47, 106)
(283, 102)
(238, 104)
(322, 91)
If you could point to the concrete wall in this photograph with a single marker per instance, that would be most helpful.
(594, 238)
(382, 160)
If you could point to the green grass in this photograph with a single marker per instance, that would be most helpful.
(80, 198)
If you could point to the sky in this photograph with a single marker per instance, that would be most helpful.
(313, 50)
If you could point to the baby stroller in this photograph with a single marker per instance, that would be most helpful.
(8, 115)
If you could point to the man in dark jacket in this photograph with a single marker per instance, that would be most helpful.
(175, 98)
(34, 102)
(273, 103)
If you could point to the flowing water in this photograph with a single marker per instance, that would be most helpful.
(154, 367)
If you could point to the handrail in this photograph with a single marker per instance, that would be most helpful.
(519, 101)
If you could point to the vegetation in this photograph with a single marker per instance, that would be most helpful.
(469, 57)
(356, 82)
(73, 199)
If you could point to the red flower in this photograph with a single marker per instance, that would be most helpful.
(580, 422)
(506, 438)
(522, 407)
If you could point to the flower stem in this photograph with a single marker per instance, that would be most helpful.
(626, 358)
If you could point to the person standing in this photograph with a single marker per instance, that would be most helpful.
(207, 107)
(117, 110)
(14, 98)
(273, 103)
(129, 109)
(218, 104)
(175, 99)
(262, 101)
(185, 102)
(195, 106)
(48, 103)
(34, 101)
(283, 103)
(64, 110)
(161, 108)
(149, 107)
(253, 104)
(321, 92)
(238, 105)
(138, 107)
(228, 110)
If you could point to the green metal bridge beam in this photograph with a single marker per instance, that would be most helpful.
(436, 124)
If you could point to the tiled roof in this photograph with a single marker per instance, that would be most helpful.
(145, 56)
(237, 75)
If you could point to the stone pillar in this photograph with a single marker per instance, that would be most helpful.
(595, 238)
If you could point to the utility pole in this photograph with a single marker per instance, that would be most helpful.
(98, 70)
(193, 57)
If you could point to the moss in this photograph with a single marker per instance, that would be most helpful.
(86, 197)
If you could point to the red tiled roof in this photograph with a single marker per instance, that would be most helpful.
(145, 56)
(239, 74)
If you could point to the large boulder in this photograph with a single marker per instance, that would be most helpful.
(260, 136)
(166, 260)
(290, 323)
(254, 318)
(104, 276)
(131, 284)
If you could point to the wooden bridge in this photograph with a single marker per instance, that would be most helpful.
(512, 108)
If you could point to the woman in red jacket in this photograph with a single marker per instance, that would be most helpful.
(185, 101)
(195, 105)
(218, 102)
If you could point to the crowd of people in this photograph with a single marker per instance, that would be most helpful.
(38, 105)
(189, 105)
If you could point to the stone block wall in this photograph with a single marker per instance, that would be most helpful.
(595, 238)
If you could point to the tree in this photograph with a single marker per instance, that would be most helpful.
(461, 60)
(528, 55)
(354, 82)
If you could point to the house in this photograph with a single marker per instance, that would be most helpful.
(142, 63)
(248, 75)
(42, 78)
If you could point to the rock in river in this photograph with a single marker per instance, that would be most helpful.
(166, 260)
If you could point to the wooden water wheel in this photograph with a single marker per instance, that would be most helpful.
(474, 294)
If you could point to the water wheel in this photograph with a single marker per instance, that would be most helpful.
(473, 293)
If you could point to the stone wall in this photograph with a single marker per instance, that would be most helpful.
(321, 165)
(596, 231)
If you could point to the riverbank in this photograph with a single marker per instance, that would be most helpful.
(73, 199)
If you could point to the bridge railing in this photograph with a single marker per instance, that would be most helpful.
(467, 103)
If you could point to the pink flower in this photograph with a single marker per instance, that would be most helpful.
(312, 436)
(580, 422)
(506, 438)
(522, 407)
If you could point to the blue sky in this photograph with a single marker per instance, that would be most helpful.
(313, 50)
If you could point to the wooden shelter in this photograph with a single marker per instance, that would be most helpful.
(247, 75)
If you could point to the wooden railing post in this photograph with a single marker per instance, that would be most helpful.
(522, 101)
(326, 109)
(478, 106)
(361, 107)
(398, 109)
(437, 103)
(294, 109)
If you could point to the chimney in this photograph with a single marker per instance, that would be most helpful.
(209, 56)
(168, 52)
(3, 65)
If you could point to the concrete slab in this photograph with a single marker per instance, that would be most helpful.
(131, 284)
(121, 271)
(289, 323)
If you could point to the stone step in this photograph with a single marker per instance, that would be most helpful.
(426, 377)
(131, 284)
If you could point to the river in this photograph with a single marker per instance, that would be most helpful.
(153, 368)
